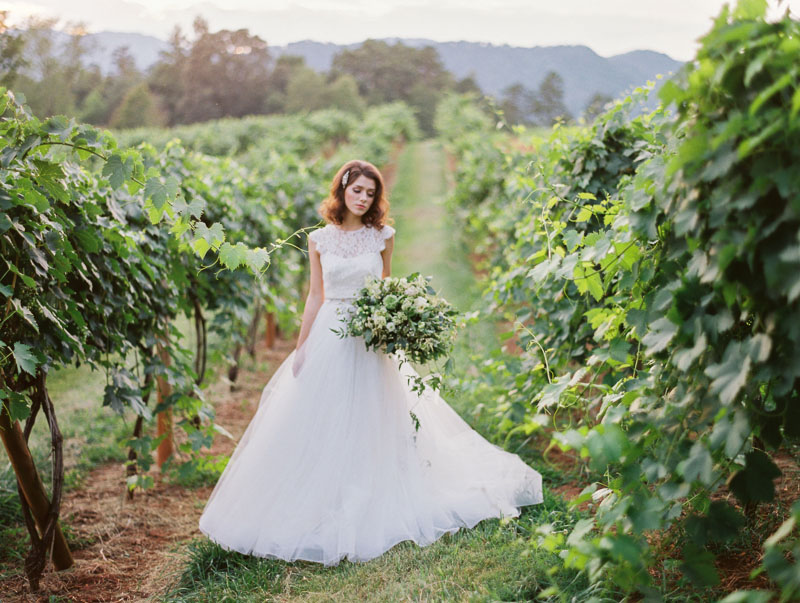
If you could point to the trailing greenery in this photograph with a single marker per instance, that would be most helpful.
(652, 275)
(104, 248)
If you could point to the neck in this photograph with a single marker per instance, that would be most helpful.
(351, 222)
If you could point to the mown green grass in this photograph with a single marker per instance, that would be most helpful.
(427, 242)
(494, 561)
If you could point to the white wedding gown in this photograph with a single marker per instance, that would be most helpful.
(330, 465)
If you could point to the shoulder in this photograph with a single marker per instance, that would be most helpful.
(386, 232)
(320, 235)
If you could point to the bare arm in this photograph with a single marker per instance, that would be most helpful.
(316, 294)
(387, 257)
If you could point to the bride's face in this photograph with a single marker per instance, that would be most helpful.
(359, 196)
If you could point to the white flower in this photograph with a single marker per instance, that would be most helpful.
(390, 326)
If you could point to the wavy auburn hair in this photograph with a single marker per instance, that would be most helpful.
(333, 208)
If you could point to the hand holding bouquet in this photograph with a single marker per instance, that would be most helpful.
(403, 315)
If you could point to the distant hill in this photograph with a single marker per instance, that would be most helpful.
(100, 46)
(493, 67)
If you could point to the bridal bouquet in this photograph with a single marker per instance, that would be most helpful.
(403, 315)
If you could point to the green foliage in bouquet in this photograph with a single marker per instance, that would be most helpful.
(404, 316)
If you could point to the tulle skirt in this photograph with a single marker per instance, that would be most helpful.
(331, 466)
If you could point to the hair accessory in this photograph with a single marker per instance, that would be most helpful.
(345, 178)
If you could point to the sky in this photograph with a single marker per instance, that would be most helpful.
(608, 27)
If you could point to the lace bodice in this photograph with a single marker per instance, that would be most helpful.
(347, 257)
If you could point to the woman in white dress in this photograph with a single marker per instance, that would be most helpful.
(331, 466)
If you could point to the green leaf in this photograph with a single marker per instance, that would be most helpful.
(795, 103)
(200, 246)
(756, 65)
(730, 375)
(732, 433)
(624, 548)
(698, 566)
(684, 357)
(699, 466)
(595, 285)
(660, 334)
(233, 256)
(606, 444)
(25, 278)
(750, 9)
(721, 524)
(214, 236)
(256, 259)
(156, 191)
(117, 170)
(37, 199)
(88, 240)
(748, 145)
(171, 186)
(571, 238)
(755, 483)
(765, 94)
(59, 125)
(25, 313)
(26, 361)
(619, 350)
(18, 405)
(784, 530)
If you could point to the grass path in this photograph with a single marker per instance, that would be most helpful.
(426, 243)
(488, 563)
(425, 240)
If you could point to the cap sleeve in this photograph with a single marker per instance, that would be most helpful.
(385, 233)
(318, 236)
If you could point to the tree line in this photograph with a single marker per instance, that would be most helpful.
(228, 73)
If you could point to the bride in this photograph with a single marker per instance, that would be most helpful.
(331, 466)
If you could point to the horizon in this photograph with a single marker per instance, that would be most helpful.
(620, 27)
(391, 38)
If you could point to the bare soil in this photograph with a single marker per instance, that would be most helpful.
(133, 549)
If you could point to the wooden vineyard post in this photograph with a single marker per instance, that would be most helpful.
(31, 485)
(164, 450)
(252, 331)
(271, 330)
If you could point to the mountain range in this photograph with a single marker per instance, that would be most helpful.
(494, 67)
